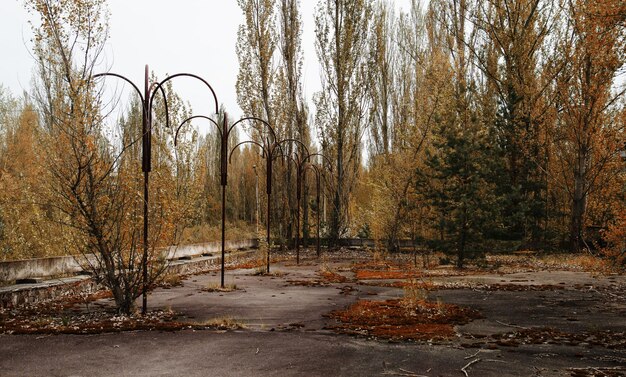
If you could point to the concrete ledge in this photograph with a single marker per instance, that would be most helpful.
(20, 294)
(213, 248)
(46, 268)
(16, 295)
(41, 267)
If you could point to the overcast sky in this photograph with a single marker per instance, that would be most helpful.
(195, 36)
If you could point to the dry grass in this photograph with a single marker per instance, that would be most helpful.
(223, 323)
(328, 274)
(209, 233)
(170, 280)
(216, 287)
(415, 291)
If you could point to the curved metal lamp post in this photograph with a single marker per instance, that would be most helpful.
(224, 132)
(300, 161)
(317, 172)
(269, 153)
(150, 89)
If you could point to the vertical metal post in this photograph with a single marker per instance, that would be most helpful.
(256, 193)
(319, 251)
(146, 150)
(223, 232)
(298, 197)
(324, 208)
(269, 195)
(224, 182)
(144, 262)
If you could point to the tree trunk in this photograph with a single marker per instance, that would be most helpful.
(579, 205)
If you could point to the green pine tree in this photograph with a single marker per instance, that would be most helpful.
(460, 190)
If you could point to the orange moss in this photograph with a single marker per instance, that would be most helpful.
(247, 265)
(332, 277)
(394, 319)
(379, 265)
(390, 274)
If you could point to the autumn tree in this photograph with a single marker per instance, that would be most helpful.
(256, 44)
(269, 87)
(293, 116)
(517, 59)
(95, 200)
(341, 39)
(403, 108)
(382, 57)
(27, 229)
(590, 131)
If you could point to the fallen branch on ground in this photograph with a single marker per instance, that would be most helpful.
(510, 325)
(464, 369)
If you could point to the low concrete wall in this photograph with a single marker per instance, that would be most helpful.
(174, 252)
(16, 295)
(11, 271)
(40, 267)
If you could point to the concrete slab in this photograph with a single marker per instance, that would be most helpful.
(286, 331)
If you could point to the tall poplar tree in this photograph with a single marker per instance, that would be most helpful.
(341, 37)
(293, 109)
(256, 44)
(590, 132)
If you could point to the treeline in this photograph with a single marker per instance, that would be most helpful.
(36, 167)
(467, 125)
(493, 125)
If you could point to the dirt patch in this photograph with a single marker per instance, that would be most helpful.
(91, 314)
(380, 265)
(434, 285)
(517, 287)
(90, 323)
(598, 372)
(547, 335)
(219, 288)
(395, 320)
(326, 278)
(308, 283)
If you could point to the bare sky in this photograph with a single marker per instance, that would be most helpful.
(195, 36)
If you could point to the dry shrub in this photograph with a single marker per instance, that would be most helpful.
(238, 230)
(224, 323)
(415, 292)
(170, 280)
(615, 236)
(216, 287)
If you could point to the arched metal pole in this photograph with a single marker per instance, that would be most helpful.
(223, 180)
(315, 169)
(268, 153)
(147, 140)
(268, 150)
(224, 132)
(299, 160)
(146, 159)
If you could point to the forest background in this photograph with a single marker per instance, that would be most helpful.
(465, 125)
